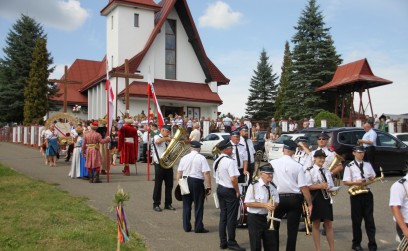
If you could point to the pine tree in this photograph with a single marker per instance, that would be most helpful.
(314, 61)
(36, 92)
(282, 96)
(262, 91)
(15, 67)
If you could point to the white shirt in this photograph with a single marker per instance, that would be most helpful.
(352, 171)
(399, 197)
(289, 176)
(302, 158)
(258, 193)
(189, 123)
(227, 168)
(73, 132)
(314, 176)
(195, 135)
(160, 148)
(50, 134)
(242, 154)
(311, 123)
(329, 159)
(371, 135)
(227, 121)
(251, 149)
(193, 165)
(145, 137)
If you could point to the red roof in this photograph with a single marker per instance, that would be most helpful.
(175, 90)
(81, 70)
(353, 77)
(150, 4)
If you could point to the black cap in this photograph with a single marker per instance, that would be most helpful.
(267, 168)
(167, 127)
(153, 124)
(319, 153)
(224, 144)
(235, 133)
(359, 149)
(289, 145)
(177, 193)
(323, 135)
(243, 128)
(302, 139)
(195, 144)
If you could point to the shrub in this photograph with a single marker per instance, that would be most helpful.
(332, 119)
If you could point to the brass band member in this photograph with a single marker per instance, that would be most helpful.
(322, 141)
(303, 154)
(249, 150)
(160, 143)
(261, 198)
(291, 181)
(321, 180)
(239, 155)
(399, 206)
(362, 205)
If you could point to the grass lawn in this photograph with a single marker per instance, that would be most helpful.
(35, 215)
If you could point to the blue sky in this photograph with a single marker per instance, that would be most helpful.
(234, 32)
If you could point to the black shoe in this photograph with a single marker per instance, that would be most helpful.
(357, 248)
(169, 207)
(157, 208)
(224, 246)
(235, 247)
(202, 231)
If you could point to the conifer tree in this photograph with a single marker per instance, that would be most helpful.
(282, 98)
(262, 91)
(15, 67)
(314, 61)
(35, 94)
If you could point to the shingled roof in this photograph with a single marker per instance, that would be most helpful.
(354, 76)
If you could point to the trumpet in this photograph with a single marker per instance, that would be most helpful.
(270, 215)
(306, 217)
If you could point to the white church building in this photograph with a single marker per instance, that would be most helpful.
(161, 43)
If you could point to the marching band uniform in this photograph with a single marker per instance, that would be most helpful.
(399, 206)
(329, 153)
(291, 182)
(128, 145)
(249, 150)
(239, 155)
(362, 205)
(226, 176)
(301, 156)
(196, 168)
(258, 227)
(160, 143)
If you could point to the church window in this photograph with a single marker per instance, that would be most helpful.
(170, 42)
(136, 20)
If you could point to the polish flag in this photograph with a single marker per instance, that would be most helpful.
(111, 97)
(151, 92)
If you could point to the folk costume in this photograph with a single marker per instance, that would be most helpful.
(75, 171)
(128, 145)
(102, 146)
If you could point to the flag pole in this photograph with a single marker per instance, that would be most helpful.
(148, 126)
(108, 118)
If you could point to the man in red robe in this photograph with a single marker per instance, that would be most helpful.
(128, 145)
(90, 148)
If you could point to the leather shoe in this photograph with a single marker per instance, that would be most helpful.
(202, 231)
(157, 208)
(169, 207)
(224, 246)
(357, 248)
(235, 247)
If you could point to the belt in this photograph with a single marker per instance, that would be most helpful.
(129, 140)
(259, 215)
(289, 194)
(91, 145)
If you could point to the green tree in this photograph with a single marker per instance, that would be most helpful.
(332, 119)
(262, 91)
(282, 96)
(35, 94)
(314, 61)
(15, 67)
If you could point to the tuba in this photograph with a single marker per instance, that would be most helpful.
(176, 149)
(360, 189)
(336, 178)
(216, 151)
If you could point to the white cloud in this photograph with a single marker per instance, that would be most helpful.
(62, 14)
(220, 16)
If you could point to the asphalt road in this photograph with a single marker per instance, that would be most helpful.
(163, 231)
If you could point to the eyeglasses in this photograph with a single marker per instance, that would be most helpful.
(322, 139)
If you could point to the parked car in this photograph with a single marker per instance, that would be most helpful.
(390, 153)
(210, 141)
(403, 136)
(276, 150)
(261, 141)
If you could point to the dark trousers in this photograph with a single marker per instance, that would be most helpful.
(227, 129)
(291, 206)
(260, 235)
(362, 207)
(144, 152)
(161, 175)
(197, 195)
(369, 154)
(69, 151)
(229, 204)
(251, 167)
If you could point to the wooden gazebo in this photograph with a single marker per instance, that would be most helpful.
(348, 79)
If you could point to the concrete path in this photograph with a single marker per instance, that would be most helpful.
(164, 231)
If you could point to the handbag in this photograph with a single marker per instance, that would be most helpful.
(183, 181)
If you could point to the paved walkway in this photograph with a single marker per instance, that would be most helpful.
(163, 231)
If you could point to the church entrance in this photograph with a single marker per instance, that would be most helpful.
(173, 110)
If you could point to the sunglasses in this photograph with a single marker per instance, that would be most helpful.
(322, 139)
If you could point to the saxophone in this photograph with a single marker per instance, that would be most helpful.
(176, 149)
(336, 178)
(360, 189)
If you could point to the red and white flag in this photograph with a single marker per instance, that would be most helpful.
(111, 97)
(150, 91)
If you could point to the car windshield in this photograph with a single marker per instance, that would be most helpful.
(283, 138)
(403, 137)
